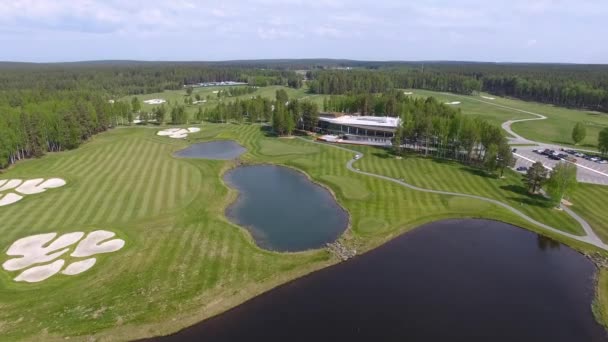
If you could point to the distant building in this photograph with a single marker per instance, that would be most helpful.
(366, 130)
(215, 84)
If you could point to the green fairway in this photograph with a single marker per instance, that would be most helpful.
(174, 97)
(183, 260)
(589, 201)
(557, 128)
(451, 176)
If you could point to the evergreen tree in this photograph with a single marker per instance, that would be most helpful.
(536, 177)
(579, 132)
(602, 143)
(562, 182)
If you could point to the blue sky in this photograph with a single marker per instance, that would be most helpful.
(510, 31)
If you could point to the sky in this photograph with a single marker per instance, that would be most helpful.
(463, 30)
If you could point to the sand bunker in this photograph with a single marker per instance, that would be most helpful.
(489, 98)
(155, 101)
(11, 184)
(453, 103)
(79, 266)
(32, 249)
(28, 187)
(36, 186)
(408, 93)
(38, 249)
(40, 273)
(9, 199)
(178, 133)
(93, 244)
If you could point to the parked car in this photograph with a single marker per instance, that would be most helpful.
(514, 150)
(562, 156)
(580, 155)
(538, 151)
(554, 157)
(571, 151)
(546, 152)
(603, 161)
(594, 159)
(522, 169)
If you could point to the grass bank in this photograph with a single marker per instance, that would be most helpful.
(184, 261)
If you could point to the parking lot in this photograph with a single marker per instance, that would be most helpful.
(588, 171)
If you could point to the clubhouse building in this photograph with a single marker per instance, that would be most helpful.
(356, 129)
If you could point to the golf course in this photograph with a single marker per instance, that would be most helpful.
(183, 261)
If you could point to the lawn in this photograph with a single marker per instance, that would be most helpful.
(183, 260)
(177, 97)
(589, 201)
(445, 175)
(557, 128)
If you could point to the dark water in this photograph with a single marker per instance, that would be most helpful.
(221, 150)
(455, 280)
(283, 210)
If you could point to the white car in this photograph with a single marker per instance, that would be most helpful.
(603, 161)
(357, 156)
(594, 159)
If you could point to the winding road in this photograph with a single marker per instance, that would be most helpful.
(590, 237)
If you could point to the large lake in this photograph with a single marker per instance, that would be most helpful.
(219, 150)
(283, 209)
(455, 280)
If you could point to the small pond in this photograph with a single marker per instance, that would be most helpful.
(283, 209)
(455, 280)
(219, 150)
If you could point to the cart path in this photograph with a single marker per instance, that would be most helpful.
(590, 237)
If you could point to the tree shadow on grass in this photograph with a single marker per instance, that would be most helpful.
(525, 197)
(268, 131)
(478, 172)
(382, 155)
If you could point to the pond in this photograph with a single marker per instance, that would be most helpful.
(283, 209)
(219, 150)
(454, 280)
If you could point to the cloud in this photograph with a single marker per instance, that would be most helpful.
(383, 29)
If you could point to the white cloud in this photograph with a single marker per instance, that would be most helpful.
(388, 29)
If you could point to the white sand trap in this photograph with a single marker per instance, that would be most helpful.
(33, 251)
(40, 273)
(11, 184)
(216, 91)
(408, 93)
(79, 266)
(154, 101)
(178, 133)
(9, 198)
(453, 103)
(30, 187)
(94, 244)
(168, 131)
(2, 181)
(489, 98)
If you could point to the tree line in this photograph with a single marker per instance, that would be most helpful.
(433, 128)
(51, 125)
(578, 89)
(117, 80)
(283, 113)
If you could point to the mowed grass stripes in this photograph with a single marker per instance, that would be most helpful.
(184, 261)
(445, 175)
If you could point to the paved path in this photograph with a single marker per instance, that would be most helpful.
(590, 237)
